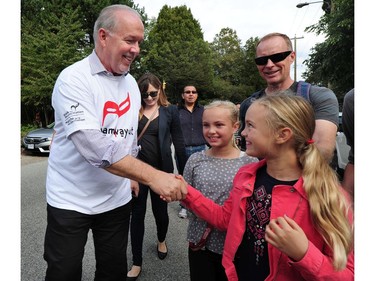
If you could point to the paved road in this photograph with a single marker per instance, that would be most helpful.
(33, 223)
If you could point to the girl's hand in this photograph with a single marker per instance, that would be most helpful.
(183, 189)
(286, 235)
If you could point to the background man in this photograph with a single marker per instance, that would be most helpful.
(191, 123)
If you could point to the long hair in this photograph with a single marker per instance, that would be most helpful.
(233, 109)
(328, 205)
(151, 79)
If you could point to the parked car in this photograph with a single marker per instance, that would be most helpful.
(39, 140)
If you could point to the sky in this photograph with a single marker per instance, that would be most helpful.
(250, 18)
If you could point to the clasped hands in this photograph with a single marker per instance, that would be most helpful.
(173, 188)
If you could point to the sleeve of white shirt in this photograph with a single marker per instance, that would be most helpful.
(98, 150)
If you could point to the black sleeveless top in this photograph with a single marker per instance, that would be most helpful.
(149, 142)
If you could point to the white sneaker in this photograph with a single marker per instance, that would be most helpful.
(183, 213)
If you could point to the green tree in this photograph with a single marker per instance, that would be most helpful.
(177, 52)
(228, 56)
(54, 34)
(88, 10)
(331, 62)
(250, 76)
(236, 75)
(49, 42)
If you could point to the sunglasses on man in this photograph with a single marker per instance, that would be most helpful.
(274, 58)
(188, 92)
(151, 94)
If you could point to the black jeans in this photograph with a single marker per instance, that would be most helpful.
(66, 237)
(205, 265)
(137, 224)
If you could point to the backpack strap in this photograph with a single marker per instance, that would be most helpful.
(303, 89)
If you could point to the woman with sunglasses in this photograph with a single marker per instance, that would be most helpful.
(162, 124)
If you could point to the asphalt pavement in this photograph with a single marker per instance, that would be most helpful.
(33, 223)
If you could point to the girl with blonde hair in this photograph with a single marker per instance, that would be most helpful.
(287, 218)
(211, 172)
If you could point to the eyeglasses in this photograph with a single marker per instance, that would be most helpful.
(188, 92)
(274, 58)
(151, 94)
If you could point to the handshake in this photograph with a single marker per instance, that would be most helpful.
(170, 187)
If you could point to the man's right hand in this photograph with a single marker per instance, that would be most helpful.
(169, 187)
(166, 185)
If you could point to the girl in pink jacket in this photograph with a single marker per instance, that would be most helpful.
(287, 218)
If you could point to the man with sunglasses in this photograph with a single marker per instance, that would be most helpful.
(274, 57)
(191, 123)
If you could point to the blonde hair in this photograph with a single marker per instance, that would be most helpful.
(328, 205)
(233, 112)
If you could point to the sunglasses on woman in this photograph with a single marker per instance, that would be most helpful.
(274, 58)
(151, 94)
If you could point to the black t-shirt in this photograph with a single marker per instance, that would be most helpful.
(251, 258)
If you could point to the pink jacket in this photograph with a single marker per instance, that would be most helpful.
(289, 200)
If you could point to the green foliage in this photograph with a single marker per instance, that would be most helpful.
(177, 53)
(224, 90)
(56, 33)
(250, 76)
(236, 75)
(331, 62)
(48, 45)
(27, 128)
(228, 56)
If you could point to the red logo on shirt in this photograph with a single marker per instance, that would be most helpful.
(110, 107)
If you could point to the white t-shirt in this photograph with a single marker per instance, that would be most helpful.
(85, 96)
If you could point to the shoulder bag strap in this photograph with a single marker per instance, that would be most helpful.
(148, 123)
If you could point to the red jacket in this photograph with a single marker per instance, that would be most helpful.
(289, 200)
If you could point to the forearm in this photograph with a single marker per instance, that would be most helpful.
(206, 209)
(167, 185)
(133, 168)
(325, 138)
(99, 150)
(326, 150)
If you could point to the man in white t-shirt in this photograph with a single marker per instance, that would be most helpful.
(92, 158)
